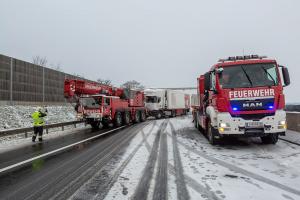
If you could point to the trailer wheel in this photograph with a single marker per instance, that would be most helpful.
(137, 117)
(211, 133)
(118, 119)
(95, 125)
(143, 116)
(126, 118)
(270, 139)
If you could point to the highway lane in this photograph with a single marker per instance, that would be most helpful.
(46, 177)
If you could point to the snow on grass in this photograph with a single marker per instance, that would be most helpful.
(18, 116)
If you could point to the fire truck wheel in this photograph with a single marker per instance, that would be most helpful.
(95, 125)
(143, 115)
(211, 133)
(126, 118)
(118, 119)
(270, 139)
(137, 117)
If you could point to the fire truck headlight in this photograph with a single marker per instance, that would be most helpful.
(224, 125)
(234, 108)
(282, 124)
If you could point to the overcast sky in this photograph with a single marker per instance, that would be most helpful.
(161, 43)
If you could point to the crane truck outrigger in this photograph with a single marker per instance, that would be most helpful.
(242, 96)
(98, 104)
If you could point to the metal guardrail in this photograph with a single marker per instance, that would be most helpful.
(46, 128)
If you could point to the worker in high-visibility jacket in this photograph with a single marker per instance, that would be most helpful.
(38, 123)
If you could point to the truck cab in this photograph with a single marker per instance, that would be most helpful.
(243, 96)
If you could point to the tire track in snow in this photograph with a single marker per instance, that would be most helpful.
(189, 180)
(142, 189)
(102, 192)
(182, 192)
(240, 170)
(161, 180)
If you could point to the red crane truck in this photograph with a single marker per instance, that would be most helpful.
(102, 104)
(242, 96)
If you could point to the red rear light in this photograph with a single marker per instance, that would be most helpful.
(221, 105)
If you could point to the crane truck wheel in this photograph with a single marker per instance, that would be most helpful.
(126, 118)
(95, 125)
(143, 115)
(137, 117)
(211, 133)
(270, 139)
(118, 119)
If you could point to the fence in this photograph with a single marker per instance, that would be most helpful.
(22, 81)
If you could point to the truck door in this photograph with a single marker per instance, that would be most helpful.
(106, 106)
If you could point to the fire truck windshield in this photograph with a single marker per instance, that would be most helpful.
(252, 75)
(91, 102)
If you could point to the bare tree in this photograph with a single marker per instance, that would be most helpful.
(134, 85)
(104, 81)
(38, 60)
(56, 67)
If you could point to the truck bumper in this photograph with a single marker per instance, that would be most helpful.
(228, 125)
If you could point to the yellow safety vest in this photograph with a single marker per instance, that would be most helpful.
(37, 119)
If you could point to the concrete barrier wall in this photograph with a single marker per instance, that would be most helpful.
(293, 121)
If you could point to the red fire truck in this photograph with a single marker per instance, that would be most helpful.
(242, 96)
(102, 104)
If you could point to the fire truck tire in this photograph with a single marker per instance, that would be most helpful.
(118, 119)
(95, 125)
(211, 134)
(143, 115)
(126, 118)
(137, 117)
(270, 139)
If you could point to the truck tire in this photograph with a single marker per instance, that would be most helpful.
(118, 119)
(158, 115)
(95, 125)
(126, 118)
(173, 113)
(211, 133)
(143, 115)
(270, 139)
(105, 124)
(137, 117)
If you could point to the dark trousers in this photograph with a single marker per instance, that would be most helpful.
(38, 130)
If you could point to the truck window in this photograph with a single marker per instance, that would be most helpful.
(252, 75)
(213, 81)
(91, 102)
(152, 99)
(107, 102)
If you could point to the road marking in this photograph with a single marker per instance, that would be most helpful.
(56, 150)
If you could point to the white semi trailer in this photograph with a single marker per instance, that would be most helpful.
(166, 102)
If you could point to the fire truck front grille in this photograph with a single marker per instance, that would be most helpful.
(253, 116)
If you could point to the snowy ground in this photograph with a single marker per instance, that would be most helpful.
(191, 168)
(20, 116)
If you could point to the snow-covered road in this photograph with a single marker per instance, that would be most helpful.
(170, 159)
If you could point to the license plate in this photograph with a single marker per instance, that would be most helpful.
(254, 125)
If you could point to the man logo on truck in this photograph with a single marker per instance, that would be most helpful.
(252, 105)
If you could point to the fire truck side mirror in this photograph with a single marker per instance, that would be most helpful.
(286, 76)
(207, 81)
